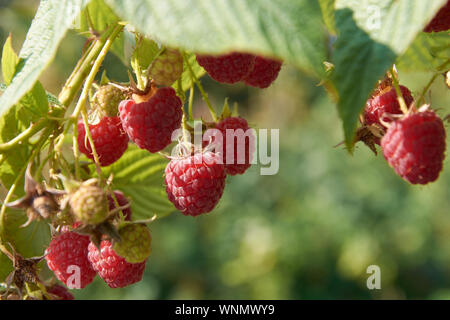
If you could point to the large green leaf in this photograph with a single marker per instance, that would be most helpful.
(29, 242)
(139, 175)
(371, 35)
(291, 30)
(52, 20)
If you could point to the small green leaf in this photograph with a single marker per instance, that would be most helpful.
(144, 53)
(290, 30)
(429, 52)
(9, 61)
(371, 35)
(186, 79)
(99, 16)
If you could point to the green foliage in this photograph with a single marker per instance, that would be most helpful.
(371, 35)
(52, 20)
(139, 175)
(327, 7)
(286, 29)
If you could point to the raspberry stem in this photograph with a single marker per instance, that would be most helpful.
(400, 99)
(200, 87)
(191, 102)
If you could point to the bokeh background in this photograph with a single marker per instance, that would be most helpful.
(308, 232)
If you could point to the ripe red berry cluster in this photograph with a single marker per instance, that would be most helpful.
(256, 71)
(75, 260)
(414, 143)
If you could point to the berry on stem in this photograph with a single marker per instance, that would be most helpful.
(109, 139)
(414, 147)
(264, 72)
(229, 68)
(135, 243)
(237, 143)
(107, 99)
(112, 268)
(150, 123)
(167, 67)
(89, 204)
(195, 184)
(66, 251)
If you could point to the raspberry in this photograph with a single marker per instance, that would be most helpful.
(110, 140)
(123, 201)
(135, 244)
(167, 67)
(112, 268)
(150, 124)
(441, 21)
(415, 147)
(242, 145)
(264, 72)
(60, 292)
(230, 68)
(107, 100)
(89, 204)
(67, 250)
(195, 184)
(385, 102)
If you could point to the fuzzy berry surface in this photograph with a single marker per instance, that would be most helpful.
(195, 184)
(113, 269)
(60, 292)
(441, 21)
(70, 249)
(237, 150)
(110, 140)
(135, 244)
(150, 124)
(385, 102)
(107, 100)
(89, 204)
(415, 147)
(264, 72)
(229, 68)
(167, 67)
(122, 201)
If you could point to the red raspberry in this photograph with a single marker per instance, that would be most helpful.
(61, 292)
(264, 72)
(242, 161)
(441, 21)
(123, 201)
(112, 268)
(385, 102)
(150, 124)
(66, 250)
(110, 140)
(195, 184)
(415, 147)
(229, 68)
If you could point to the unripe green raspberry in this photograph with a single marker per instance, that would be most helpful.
(135, 244)
(89, 204)
(107, 100)
(167, 67)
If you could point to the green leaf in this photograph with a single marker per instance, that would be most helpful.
(144, 53)
(186, 79)
(52, 20)
(51, 98)
(290, 30)
(429, 52)
(29, 242)
(371, 35)
(99, 16)
(9, 61)
(139, 175)
(327, 7)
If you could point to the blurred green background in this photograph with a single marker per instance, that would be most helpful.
(308, 232)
